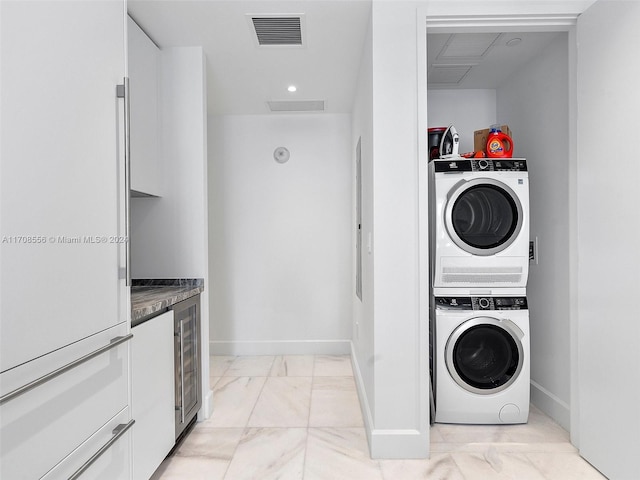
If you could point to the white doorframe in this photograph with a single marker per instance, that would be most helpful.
(507, 23)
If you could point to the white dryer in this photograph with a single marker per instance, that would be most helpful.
(479, 221)
(481, 360)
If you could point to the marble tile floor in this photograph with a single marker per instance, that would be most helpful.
(298, 418)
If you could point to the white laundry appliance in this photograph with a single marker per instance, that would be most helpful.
(481, 354)
(479, 223)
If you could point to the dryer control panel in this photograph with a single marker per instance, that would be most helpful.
(480, 165)
(481, 303)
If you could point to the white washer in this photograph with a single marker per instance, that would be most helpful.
(481, 360)
(479, 220)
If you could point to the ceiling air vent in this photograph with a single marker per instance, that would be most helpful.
(296, 106)
(447, 74)
(281, 30)
(468, 45)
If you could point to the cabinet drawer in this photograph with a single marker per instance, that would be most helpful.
(111, 446)
(45, 424)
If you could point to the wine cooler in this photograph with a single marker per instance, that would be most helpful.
(187, 362)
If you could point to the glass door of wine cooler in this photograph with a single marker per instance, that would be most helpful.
(187, 364)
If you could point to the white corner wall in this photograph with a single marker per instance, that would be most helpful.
(280, 244)
(400, 357)
(535, 105)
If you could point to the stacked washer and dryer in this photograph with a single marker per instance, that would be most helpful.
(479, 262)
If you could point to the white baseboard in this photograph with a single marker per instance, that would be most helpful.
(367, 417)
(386, 443)
(206, 410)
(551, 405)
(287, 347)
(399, 444)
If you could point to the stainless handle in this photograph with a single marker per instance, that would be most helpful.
(117, 433)
(123, 92)
(51, 375)
(182, 371)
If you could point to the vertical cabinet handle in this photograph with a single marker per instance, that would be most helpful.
(117, 433)
(123, 92)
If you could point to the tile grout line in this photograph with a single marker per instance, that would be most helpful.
(246, 427)
(266, 378)
(244, 432)
(306, 443)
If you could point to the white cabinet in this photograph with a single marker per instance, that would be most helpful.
(57, 416)
(62, 198)
(61, 166)
(143, 81)
(111, 446)
(153, 393)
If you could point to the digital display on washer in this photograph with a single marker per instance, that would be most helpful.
(481, 303)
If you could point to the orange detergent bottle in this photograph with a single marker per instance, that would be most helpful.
(499, 144)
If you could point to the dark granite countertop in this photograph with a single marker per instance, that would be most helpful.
(151, 296)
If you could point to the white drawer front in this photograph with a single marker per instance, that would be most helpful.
(153, 393)
(45, 424)
(113, 452)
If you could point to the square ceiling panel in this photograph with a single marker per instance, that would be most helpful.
(468, 45)
(447, 74)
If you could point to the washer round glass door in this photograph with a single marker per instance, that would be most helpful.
(483, 216)
(484, 355)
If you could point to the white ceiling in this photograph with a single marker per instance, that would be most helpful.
(242, 77)
(482, 60)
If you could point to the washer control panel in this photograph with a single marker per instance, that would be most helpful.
(481, 303)
(480, 165)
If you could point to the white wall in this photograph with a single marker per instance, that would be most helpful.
(363, 317)
(492, 10)
(280, 234)
(468, 111)
(535, 105)
(400, 328)
(608, 226)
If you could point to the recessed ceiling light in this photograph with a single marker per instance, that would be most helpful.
(513, 42)
(292, 88)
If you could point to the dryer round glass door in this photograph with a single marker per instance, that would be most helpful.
(485, 355)
(483, 216)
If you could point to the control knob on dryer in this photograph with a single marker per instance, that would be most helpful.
(483, 164)
(483, 302)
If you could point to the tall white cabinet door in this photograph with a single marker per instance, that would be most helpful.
(61, 171)
(608, 230)
(143, 80)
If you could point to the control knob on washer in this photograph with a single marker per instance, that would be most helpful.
(483, 164)
(483, 302)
